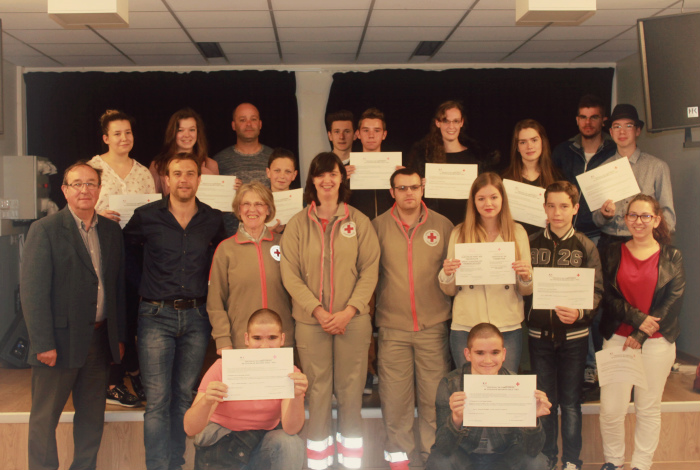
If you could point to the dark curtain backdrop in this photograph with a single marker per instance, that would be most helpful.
(495, 99)
(63, 110)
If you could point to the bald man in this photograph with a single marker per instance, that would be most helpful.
(247, 159)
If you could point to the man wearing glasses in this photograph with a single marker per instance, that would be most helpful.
(72, 287)
(652, 174)
(585, 151)
(411, 314)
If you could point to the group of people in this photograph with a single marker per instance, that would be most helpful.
(348, 260)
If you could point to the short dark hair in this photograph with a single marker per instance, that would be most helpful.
(402, 171)
(183, 156)
(341, 115)
(372, 113)
(323, 163)
(280, 152)
(592, 101)
(562, 187)
(82, 163)
(264, 315)
(483, 330)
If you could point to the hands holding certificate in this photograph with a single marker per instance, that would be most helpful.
(521, 267)
(217, 392)
(458, 400)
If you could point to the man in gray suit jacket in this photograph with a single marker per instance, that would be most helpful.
(72, 288)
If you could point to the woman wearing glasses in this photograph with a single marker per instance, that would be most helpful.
(245, 272)
(330, 264)
(644, 283)
(446, 142)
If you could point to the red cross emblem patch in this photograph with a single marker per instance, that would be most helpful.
(431, 237)
(348, 230)
(275, 252)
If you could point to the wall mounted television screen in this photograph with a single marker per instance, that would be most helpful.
(670, 52)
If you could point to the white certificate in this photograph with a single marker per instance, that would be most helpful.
(217, 191)
(500, 401)
(287, 204)
(526, 202)
(563, 287)
(126, 204)
(618, 366)
(258, 374)
(613, 180)
(373, 169)
(449, 180)
(485, 263)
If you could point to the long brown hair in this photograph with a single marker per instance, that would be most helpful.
(548, 173)
(662, 234)
(170, 148)
(472, 230)
(434, 148)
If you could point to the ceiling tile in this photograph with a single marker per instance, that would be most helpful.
(320, 34)
(217, 5)
(618, 17)
(318, 19)
(48, 36)
(421, 5)
(622, 4)
(318, 58)
(36, 6)
(18, 50)
(506, 33)
(316, 5)
(386, 58)
(76, 49)
(580, 32)
(605, 56)
(32, 61)
(389, 46)
(480, 46)
(147, 5)
(151, 19)
(496, 5)
(559, 46)
(490, 18)
(144, 35)
(416, 18)
(254, 59)
(407, 34)
(232, 34)
(249, 47)
(167, 48)
(471, 57)
(334, 47)
(540, 57)
(12, 21)
(93, 60)
(188, 59)
(225, 19)
(627, 45)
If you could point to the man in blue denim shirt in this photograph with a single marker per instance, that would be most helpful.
(463, 448)
(178, 236)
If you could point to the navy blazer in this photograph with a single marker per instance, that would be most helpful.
(58, 288)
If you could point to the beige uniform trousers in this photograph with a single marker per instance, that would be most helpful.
(410, 364)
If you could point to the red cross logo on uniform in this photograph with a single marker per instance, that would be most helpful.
(431, 237)
(275, 252)
(348, 229)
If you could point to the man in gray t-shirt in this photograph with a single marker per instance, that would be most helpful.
(247, 159)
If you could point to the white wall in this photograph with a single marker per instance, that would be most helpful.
(8, 140)
(685, 175)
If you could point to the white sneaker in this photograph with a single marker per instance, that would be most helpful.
(570, 466)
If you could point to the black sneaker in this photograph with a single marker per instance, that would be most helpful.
(610, 466)
(119, 395)
(368, 385)
(590, 377)
(137, 386)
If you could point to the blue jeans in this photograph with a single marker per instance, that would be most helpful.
(559, 367)
(512, 341)
(171, 344)
(513, 459)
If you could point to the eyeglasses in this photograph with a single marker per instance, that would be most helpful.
(79, 186)
(646, 218)
(403, 189)
(256, 205)
(456, 122)
(617, 127)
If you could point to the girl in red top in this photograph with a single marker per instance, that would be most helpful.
(644, 282)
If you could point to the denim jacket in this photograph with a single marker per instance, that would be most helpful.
(448, 438)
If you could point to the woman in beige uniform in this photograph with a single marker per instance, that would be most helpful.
(245, 272)
(330, 262)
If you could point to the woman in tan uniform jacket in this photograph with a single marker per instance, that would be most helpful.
(245, 272)
(330, 262)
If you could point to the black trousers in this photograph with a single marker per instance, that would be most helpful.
(51, 387)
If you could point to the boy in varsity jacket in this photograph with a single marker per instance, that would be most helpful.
(558, 340)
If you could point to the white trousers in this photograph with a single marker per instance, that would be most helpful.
(658, 355)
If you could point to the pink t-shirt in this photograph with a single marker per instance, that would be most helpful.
(242, 415)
